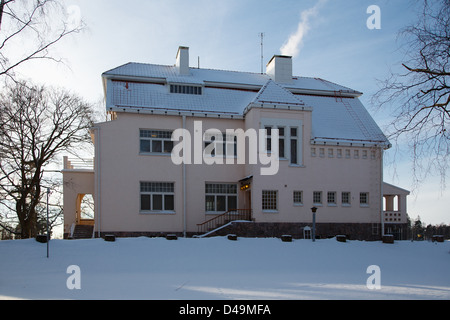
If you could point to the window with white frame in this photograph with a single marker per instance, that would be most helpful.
(347, 153)
(330, 153)
(269, 200)
(225, 148)
(184, 89)
(321, 152)
(289, 138)
(220, 197)
(345, 198)
(156, 141)
(364, 198)
(331, 198)
(294, 145)
(317, 197)
(298, 197)
(281, 141)
(157, 197)
(268, 138)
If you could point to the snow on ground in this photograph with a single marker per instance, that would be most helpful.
(216, 268)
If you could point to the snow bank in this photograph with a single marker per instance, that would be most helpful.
(216, 268)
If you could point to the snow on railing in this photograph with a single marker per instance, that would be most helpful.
(78, 164)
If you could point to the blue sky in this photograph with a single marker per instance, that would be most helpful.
(337, 47)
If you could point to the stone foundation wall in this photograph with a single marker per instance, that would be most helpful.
(353, 231)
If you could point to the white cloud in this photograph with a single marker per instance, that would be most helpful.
(294, 44)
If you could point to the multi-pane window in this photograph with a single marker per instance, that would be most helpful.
(226, 147)
(331, 198)
(175, 88)
(281, 145)
(220, 197)
(317, 197)
(294, 145)
(269, 200)
(347, 153)
(298, 197)
(268, 138)
(364, 198)
(321, 152)
(157, 197)
(156, 141)
(345, 196)
(330, 153)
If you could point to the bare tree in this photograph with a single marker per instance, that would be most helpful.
(36, 125)
(28, 30)
(420, 95)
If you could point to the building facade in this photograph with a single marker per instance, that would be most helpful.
(189, 151)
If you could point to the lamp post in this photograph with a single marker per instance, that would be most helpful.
(48, 235)
(314, 209)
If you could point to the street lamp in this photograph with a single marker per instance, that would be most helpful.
(314, 209)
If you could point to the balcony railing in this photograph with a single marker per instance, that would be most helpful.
(78, 164)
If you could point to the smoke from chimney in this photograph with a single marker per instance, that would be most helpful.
(294, 44)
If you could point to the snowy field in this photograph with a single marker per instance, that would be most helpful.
(216, 268)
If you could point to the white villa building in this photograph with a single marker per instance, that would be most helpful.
(330, 156)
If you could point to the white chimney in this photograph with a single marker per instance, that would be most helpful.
(182, 63)
(279, 69)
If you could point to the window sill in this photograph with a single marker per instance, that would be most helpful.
(293, 165)
(270, 211)
(298, 204)
(159, 154)
(364, 205)
(157, 212)
(332, 205)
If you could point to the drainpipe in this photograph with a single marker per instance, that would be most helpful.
(381, 190)
(97, 179)
(184, 182)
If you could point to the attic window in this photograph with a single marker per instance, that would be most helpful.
(175, 88)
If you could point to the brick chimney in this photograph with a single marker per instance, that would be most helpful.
(279, 69)
(182, 63)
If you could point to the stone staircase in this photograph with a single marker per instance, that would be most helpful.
(83, 232)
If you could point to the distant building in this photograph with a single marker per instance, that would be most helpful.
(330, 157)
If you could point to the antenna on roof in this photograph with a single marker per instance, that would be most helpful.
(261, 34)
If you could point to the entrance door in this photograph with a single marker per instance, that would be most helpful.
(248, 199)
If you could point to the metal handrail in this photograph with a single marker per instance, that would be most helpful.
(220, 220)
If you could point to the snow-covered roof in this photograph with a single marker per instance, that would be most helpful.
(337, 114)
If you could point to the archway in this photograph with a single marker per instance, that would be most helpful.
(85, 209)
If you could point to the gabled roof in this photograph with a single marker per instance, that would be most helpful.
(272, 93)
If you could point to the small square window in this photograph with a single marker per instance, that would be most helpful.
(364, 198)
(317, 197)
(298, 197)
(346, 198)
(330, 153)
(331, 198)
